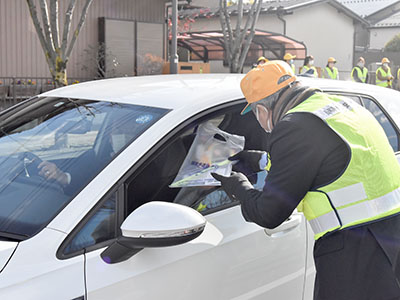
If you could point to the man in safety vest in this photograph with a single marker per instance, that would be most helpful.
(329, 158)
(330, 71)
(383, 74)
(289, 60)
(360, 72)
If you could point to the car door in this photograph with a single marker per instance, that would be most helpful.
(232, 259)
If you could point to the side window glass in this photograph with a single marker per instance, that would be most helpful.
(384, 122)
(99, 228)
(152, 182)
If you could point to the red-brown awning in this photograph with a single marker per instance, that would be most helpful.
(209, 45)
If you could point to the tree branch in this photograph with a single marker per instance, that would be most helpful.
(54, 23)
(250, 37)
(78, 29)
(224, 32)
(46, 26)
(67, 27)
(39, 31)
(228, 24)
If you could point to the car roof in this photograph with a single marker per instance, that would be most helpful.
(165, 91)
(178, 91)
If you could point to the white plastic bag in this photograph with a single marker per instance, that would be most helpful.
(209, 153)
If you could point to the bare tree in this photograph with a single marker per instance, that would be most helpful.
(100, 59)
(238, 40)
(57, 49)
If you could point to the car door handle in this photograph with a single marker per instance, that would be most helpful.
(290, 224)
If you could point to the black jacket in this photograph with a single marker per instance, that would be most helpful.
(360, 263)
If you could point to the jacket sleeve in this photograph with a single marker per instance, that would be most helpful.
(296, 157)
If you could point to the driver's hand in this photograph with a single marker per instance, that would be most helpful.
(49, 171)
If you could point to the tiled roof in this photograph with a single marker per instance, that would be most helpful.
(273, 6)
(393, 20)
(366, 7)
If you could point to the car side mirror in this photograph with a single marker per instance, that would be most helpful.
(155, 224)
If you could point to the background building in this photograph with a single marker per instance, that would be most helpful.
(130, 29)
(326, 27)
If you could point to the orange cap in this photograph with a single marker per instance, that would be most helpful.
(331, 59)
(289, 56)
(385, 60)
(265, 80)
(262, 58)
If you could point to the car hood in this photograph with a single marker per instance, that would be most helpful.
(6, 251)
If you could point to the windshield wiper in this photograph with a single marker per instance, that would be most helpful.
(12, 237)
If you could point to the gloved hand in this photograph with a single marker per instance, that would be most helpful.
(249, 161)
(231, 183)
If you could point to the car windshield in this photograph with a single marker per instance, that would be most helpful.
(51, 148)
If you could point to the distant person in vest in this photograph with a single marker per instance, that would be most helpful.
(289, 58)
(360, 72)
(261, 60)
(328, 157)
(384, 76)
(330, 71)
(308, 67)
(398, 79)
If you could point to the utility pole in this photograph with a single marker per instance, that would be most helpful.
(173, 61)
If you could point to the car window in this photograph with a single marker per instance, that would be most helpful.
(383, 121)
(99, 228)
(152, 182)
(51, 148)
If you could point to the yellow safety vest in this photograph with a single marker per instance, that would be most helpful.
(369, 187)
(361, 74)
(384, 83)
(398, 73)
(306, 68)
(293, 68)
(331, 75)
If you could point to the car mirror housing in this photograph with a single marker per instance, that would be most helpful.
(155, 224)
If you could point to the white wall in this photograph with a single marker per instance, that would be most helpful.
(324, 30)
(380, 36)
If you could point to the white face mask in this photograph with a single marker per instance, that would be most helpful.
(311, 63)
(385, 65)
(291, 61)
(269, 125)
(361, 64)
(118, 141)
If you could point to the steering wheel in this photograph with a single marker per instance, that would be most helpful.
(30, 163)
(30, 172)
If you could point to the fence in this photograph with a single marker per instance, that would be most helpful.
(17, 89)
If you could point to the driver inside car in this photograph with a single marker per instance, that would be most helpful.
(120, 133)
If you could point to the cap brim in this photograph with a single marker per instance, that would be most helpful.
(246, 109)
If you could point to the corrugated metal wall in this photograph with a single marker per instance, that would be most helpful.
(20, 50)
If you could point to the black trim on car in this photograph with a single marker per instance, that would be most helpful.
(387, 115)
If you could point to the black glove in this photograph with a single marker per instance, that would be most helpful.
(231, 183)
(249, 161)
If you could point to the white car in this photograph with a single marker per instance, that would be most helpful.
(87, 211)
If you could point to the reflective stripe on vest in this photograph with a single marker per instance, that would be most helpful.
(361, 74)
(369, 187)
(351, 214)
(331, 74)
(383, 83)
(293, 68)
